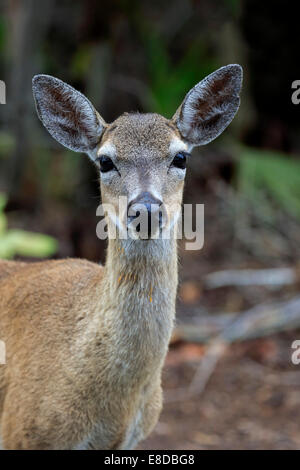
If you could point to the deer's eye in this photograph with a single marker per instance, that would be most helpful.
(180, 160)
(106, 164)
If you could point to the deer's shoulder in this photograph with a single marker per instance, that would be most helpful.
(52, 270)
(63, 283)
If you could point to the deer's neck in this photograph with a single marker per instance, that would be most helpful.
(141, 291)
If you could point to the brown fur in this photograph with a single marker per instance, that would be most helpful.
(65, 362)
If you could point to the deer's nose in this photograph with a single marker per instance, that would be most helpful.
(148, 210)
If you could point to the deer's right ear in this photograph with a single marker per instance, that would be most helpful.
(210, 106)
(67, 114)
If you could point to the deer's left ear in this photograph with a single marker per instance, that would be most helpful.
(210, 106)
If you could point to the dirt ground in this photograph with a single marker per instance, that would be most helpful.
(252, 400)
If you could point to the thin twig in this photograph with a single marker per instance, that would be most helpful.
(256, 322)
(251, 277)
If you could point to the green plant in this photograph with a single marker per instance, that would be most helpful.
(264, 173)
(168, 82)
(21, 242)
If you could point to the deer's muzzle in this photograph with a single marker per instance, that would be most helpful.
(145, 216)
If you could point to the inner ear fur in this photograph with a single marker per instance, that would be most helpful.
(210, 106)
(67, 114)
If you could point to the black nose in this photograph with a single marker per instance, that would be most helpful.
(148, 208)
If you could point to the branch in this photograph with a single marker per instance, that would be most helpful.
(251, 277)
(258, 321)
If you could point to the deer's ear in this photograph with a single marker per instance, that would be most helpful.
(210, 106)
(67, 114)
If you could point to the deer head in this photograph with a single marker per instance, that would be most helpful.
(140, 156)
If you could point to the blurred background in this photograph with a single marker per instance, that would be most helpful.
(229, 379)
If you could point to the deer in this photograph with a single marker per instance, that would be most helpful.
(85, 343)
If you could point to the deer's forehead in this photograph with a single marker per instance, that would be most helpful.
(133, 135)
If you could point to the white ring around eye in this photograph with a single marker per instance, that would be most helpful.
(177, 145)
(108, 149)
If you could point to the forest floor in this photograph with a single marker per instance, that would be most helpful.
(252, 400)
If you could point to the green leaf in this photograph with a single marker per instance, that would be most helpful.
(3, 224)
(3, 201)
(32, 244)
(23, 243)
(6, 247)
